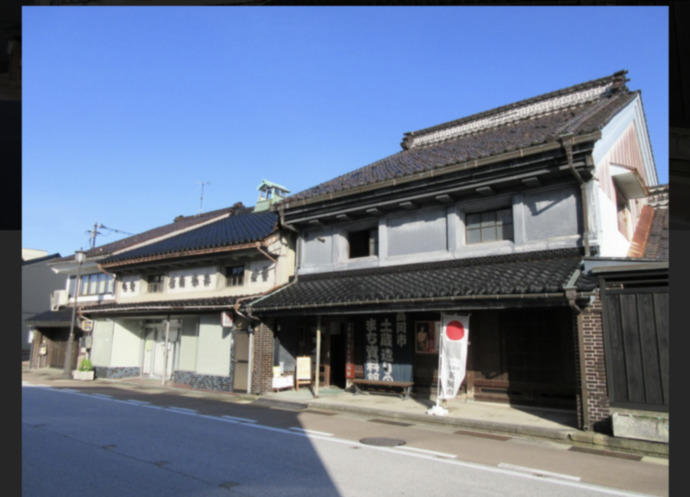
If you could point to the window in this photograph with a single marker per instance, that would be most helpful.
(489, 226)
(234, 276)
(155, 283)
(623, 211)
(363, 243)
(93, 284)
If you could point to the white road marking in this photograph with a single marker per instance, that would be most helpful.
(539, 472)
(429, 452)
(310, 432)
(183, 410)
(241, 420)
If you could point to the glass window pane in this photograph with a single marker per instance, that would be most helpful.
(473, 236)
(489, 234)
(488, 218)
(472, 221)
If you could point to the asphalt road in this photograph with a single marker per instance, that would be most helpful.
(114, 442)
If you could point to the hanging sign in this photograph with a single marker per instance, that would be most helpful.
(86, 324)
(349, 352)
(453, 354)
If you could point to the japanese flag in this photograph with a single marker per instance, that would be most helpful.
(453, 354)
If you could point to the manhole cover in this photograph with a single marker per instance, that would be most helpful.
(382, 442)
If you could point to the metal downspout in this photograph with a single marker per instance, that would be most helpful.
(567, 142)
(165, 350)
(251, 362)
(317, 373)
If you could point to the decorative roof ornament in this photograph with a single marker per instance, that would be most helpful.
(269, 193)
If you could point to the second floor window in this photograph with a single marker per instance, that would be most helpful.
(363, 243)
(92, 284)
(234, 276)
(490, 226)
(155, 283)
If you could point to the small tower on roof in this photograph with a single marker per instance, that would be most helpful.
(269, 194)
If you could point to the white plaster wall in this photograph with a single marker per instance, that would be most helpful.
(612, 243)
(213, 346)
(188, 344)
(127, 344)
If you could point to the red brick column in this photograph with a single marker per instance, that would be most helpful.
(593, 410)
(262, 362)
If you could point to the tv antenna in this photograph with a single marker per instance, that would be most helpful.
(201, 199)
(93, 233)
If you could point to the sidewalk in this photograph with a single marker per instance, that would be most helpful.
(498, 419)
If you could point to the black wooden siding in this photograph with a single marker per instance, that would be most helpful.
(636, 334)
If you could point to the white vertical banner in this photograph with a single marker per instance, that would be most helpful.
(455, 330)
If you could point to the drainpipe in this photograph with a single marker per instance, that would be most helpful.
(571, 295)
(251, 362)
(567, 142)
(318, 357)
(275, 264)
(165, 351)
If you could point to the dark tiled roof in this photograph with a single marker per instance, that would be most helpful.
(233, 230)
(580, 110)
(534, 274)
(180, 223)
(212, 303)
(51, 319)
(27, 262)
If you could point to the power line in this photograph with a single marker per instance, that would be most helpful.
(93, 233)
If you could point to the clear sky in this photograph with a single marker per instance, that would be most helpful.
(129, 113)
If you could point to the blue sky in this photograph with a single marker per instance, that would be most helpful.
(128, 111)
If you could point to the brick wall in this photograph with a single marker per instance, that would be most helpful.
(262, 362)
(594, 370)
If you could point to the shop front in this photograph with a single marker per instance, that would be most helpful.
(522, 342)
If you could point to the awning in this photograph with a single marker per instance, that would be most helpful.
(51, 319)
(188, 305)
(485, 282)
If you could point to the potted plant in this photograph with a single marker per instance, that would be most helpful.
(85, 371)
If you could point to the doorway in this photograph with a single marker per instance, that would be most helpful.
(160, 353)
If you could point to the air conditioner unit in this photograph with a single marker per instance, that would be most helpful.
(58, 299)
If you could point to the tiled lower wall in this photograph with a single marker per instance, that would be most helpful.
(116, 373)
(203, 382)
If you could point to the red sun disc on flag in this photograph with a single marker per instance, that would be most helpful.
(455, 331)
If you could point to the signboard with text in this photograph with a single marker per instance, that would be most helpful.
(387, 348)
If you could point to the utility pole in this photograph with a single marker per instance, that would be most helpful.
(94, 232)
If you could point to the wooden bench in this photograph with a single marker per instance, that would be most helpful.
(406, 386)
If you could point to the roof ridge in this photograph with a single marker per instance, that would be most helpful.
(535, 106)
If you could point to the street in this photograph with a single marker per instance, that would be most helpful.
(111, 442)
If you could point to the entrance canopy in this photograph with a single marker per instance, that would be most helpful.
(511, 280)
(51, 319)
